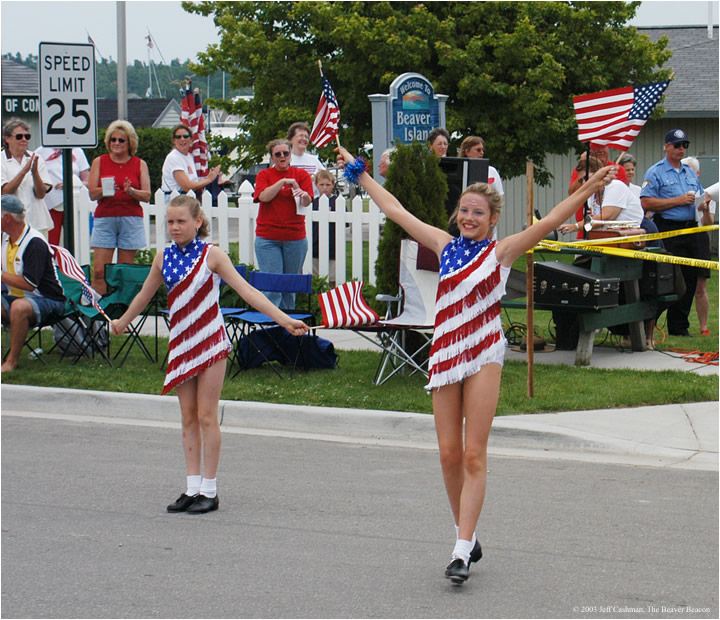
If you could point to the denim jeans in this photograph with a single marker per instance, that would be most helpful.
(281, 257)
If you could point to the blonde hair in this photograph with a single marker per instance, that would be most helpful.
(193, 205)
(495, 200)
(128, 130)
(324, 174)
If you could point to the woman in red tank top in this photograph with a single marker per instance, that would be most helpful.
(119, 181)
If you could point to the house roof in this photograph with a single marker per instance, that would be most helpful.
(17, 79)
(693, 91)
(141, 112)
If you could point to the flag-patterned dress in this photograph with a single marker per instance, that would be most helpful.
(468, 327)
(198, 338)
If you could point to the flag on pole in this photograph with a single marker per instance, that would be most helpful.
(149, 41)
(327, 117)
(344, 306)
(69, 267)
(615, 117)
(192, 116)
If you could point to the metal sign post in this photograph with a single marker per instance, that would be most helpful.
(67, 110)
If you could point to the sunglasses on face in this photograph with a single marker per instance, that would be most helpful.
(22, 136)
(684, 145)
(120, 140)
(281, 154)
(181, 136)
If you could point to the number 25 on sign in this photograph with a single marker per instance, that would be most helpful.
(67, 94)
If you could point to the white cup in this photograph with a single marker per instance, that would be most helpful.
(108, 186)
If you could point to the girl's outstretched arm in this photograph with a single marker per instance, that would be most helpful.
(142, 299)
(429, 236)
(516, 245)
(219, 262)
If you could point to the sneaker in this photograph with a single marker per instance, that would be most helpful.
(457, 571)
(705, 332)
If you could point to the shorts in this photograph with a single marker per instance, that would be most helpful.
(43, 307)
(703, 243)
(125, 232)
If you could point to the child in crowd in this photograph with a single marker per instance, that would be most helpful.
(325, 183)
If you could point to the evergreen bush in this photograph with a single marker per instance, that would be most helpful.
(416, 180)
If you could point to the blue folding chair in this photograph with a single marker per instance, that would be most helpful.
(229, 314)
(262, 335)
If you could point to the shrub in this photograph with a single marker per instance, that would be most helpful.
(416, 180)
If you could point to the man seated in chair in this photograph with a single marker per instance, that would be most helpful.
(31, 290)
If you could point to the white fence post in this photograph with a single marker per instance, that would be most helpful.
(228, 224)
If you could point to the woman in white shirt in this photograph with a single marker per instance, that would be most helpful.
(614, 202)
(25, 175)
(298, 136)
(178, 171)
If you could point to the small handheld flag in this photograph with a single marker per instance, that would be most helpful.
(69, 267)
(192, 116)
(327, 117)
(344, 306)
(615, 117)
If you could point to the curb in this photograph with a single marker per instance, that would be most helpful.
(556, 436)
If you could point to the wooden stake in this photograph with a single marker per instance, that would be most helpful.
(529, 277)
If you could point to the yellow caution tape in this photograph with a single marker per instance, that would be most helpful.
(648, 237)
(555, 246)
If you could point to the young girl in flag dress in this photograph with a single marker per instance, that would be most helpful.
(468, 346)
(199, 344)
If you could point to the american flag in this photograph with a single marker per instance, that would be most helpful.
(344, 306)
(615, 117)
(69, 267)
(327, 116)
(192, 116)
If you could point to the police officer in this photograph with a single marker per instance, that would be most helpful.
(669, 190)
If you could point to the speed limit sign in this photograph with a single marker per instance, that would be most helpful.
(67, 94)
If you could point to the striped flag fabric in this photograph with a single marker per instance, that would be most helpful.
(192, 116)
(344, 306)
(70, 268)
(327, 117)
(614, 117)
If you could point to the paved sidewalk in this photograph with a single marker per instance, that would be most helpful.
(681, 436)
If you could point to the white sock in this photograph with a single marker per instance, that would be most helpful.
(462, 550)
(457, 534)
(208, 488)
(193, 485)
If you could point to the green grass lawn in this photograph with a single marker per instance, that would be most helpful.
(349, 385)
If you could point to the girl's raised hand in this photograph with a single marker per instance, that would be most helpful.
(344, 157)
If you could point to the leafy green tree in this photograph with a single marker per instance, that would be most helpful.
(415, 179)
(510, 69)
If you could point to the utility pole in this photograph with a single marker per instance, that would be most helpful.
(122, 62)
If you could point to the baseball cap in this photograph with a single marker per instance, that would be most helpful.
(675, 135)
(12, 204)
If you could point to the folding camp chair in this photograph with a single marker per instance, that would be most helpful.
(418, 278)
(124, 282)
(262, 335)
(89, 320)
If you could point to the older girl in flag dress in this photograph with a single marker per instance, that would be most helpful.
(199, 345)
(468, 346)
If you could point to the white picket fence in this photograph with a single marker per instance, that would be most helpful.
(353, 225)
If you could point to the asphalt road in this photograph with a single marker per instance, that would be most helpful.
(311, 529)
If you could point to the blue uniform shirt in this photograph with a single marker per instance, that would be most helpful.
(663, 181)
